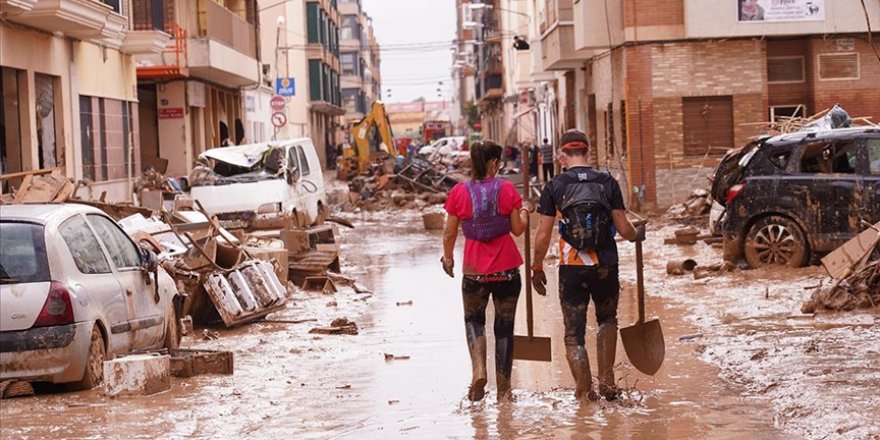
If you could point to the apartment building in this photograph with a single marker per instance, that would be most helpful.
(325, 94)
(665, 87)
(69, 90)
(361, 61)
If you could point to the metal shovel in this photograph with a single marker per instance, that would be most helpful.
(643, 341)
(530, 347)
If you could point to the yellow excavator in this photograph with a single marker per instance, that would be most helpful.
(373, 139)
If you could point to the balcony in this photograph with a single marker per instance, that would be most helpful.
(493, 86)
(81, 19)
(224, 49)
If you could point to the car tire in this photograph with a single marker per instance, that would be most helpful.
(775, 241)
(172, 331)
(94, 371)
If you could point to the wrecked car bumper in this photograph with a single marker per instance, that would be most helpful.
(54, 354)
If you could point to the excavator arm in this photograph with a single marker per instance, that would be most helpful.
(373, 137)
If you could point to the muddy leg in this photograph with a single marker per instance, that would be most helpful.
(605, 296)
(504, 297)
(574, 300)
(475, 300)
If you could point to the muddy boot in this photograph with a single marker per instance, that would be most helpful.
(579, 362)
(477, 347)
(503, 367)
(606, 347)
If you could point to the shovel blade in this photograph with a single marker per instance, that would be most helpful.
(644, 345)
(531, 348)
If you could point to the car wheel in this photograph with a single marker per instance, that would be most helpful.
(94, 372)
(775, 241)
(172, 331)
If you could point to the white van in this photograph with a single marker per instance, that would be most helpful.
(267, 179)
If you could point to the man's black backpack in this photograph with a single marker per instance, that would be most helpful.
(586, 212)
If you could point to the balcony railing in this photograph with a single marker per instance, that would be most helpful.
(222, 25)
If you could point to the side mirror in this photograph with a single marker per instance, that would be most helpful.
(149, 261)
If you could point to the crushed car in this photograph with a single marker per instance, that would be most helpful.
(787, 199)
(75, 290)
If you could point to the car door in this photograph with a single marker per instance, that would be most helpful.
(871, 209)
(829, 170)
(148, 321)
(294, 177)
(95, 286)
(311, 181)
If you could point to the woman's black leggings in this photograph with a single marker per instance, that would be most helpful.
(504, 287)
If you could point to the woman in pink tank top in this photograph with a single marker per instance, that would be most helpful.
(488, 210)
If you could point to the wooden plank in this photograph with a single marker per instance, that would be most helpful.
(839, 263)
(39, 172)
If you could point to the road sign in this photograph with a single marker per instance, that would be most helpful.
(285, 86)
(277, 103)
(278, 120)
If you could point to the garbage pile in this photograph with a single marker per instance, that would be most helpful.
(698, 204)
(831, 118)
(416, 185)
(856, 286)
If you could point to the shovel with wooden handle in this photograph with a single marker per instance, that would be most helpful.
(529, 347)
(643, 341)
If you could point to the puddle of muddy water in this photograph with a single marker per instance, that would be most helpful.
(289, 384)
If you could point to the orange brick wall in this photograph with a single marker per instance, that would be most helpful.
(859, 97)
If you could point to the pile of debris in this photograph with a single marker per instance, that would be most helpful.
(698, 204)
(834, 117)
(855, 269)
(412, 187)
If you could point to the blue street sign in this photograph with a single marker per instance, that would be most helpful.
(285, 86)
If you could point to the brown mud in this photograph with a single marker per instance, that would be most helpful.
(291, 384)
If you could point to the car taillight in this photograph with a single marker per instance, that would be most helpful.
(734, 191)
(57, 310)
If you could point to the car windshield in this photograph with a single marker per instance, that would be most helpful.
(22, 253)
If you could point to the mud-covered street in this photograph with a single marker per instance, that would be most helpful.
(740, 363)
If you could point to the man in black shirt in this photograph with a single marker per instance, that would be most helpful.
(584, 273)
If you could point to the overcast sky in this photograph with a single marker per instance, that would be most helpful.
(416, 36)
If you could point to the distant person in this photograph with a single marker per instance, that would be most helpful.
(547, 160)
(491, 261)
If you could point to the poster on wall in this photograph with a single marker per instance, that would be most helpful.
(780, 10)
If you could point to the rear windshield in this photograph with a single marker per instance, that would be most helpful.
(22, 253)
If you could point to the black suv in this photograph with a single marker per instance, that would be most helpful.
(790, 197)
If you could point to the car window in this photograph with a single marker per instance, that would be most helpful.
(780, 159)
(293, 164)
(23, 253)
(874, 157)
(829, 158)
(303, 162)
(122, 250)
(83, 245)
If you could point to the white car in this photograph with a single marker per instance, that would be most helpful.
(76, 290)
(443, 147)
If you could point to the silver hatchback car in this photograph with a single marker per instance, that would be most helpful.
(76, 290)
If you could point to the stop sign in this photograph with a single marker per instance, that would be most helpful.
(277, 103)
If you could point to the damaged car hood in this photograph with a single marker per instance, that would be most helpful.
(245, 156)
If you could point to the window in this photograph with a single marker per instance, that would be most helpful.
(350, 29)
(23, 253)
(780, 159)
(781, 112)
(83, 246)
(293, 165)
(122, 250)
(781, 70)
(315, 79)
(105, 134)
(313, 20)
(707, 125)
(350, 100)
(304, 164)
(874, 157)
(116, 5)
(838, 66)
(829, 158)
(349, 63)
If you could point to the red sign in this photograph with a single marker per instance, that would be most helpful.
(277, 103)
(171, 113)
(279, 119)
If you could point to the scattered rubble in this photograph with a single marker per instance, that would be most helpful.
(855, 271)
(698, 204)
(339, 326)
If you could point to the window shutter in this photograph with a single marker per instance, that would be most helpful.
(785, 69)
(839, 66)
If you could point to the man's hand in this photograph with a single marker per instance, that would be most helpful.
(448, 265)
(539, 281)
(640, 231)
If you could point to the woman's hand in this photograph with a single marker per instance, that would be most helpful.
(448, 266)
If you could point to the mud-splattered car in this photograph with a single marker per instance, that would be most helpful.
(788, 198)
(76, 290)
